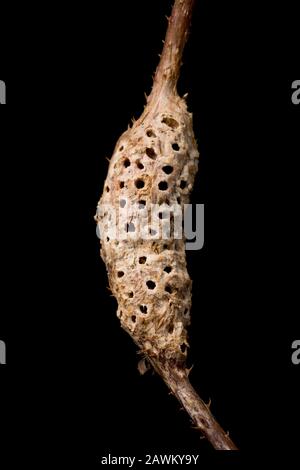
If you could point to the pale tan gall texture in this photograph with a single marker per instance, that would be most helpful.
(155, 162)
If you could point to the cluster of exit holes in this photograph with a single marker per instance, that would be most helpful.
(162, 186)
(150, 152)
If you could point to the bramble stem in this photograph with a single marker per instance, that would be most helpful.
(178, 382)
(167, 72)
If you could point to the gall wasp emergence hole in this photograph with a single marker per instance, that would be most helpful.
(150, 133)
(142, 204)
(150, 152)
(139, 165)
(139, 183)
(168, 169)
(151, 285)
(163, 185)
(172, 123)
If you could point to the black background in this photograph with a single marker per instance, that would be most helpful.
(71, 390)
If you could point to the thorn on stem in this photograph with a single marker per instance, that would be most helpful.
(143, 366)
(188, 371)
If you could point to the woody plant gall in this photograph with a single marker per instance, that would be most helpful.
(155, 162)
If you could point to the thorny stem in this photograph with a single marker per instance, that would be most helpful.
(178, 382)
(167, 72)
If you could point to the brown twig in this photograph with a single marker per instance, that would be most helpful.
(167, 72)
(178, 382)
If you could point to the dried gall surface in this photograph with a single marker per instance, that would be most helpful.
(154, 162)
